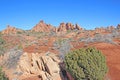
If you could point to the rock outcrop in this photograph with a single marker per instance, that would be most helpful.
(100, 30)
(9, 30)
(118, 26)
(46, 66)
(42, 27)
(63, 27)
(110, 28)
(68, 26)
(103, 30)
(78, 27)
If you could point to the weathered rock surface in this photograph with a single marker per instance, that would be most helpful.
(103, 30)
(110, 28)
(45, 66)
(99, 30)
(9, 29)
(68, 26)
(63, 27)
(118, 26)
(42, 27)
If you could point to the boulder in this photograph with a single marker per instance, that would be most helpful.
(51, 66)
(46, 66)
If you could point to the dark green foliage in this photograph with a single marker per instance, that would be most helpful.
(86, 64)
(2, 75)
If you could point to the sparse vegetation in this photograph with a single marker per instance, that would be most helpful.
(12, 59)
(20, 47)
(108, 38)
(86, 64)
(19, 32)
(115, 34)
(2, 44)
(63, 46)
(68, 31)
(2, 75)
(83, 64)
(52, 33)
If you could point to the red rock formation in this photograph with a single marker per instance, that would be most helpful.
(118, 26)
(68, 26)
(110, 28)
(103, 30)
(42, 27)
(55, 29)
(9, 30)
(62, 27)
(78, 27)
(100, 30)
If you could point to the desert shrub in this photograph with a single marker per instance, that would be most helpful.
(118, 27)
(86, 64)
(13, 58)
(103, 38)
(20, 47)
(2, 44)
(2, 41)
(81, 39)
(2, 75)
(19, 32)
(52, 33)
(63, 46)
(108, 38)
(115, 33)
(68, 31)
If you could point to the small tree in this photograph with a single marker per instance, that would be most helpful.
(86, 64)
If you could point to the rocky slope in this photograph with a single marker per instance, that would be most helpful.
(42, 27)
(42, 45)
(45, 66)
(11, 30)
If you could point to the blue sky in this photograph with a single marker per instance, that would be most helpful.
(88, 14)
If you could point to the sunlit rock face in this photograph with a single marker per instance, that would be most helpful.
(42, 27)
(46, 66)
